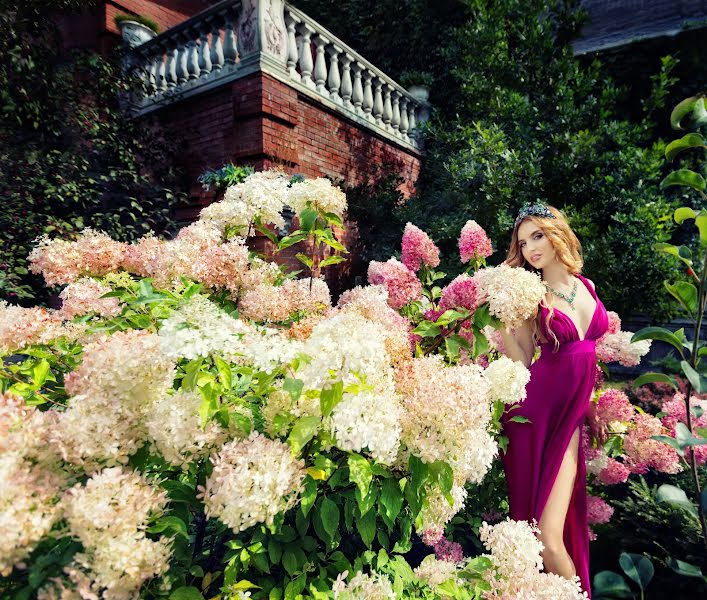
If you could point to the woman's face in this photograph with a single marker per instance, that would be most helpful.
(534, 245)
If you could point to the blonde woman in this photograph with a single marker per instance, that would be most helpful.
(544, 462)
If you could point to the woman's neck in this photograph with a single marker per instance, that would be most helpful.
(556, 274)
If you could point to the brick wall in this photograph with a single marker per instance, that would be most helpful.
(261, 121)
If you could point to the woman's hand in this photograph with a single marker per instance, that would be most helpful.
(596, 426)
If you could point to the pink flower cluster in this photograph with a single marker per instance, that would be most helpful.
(614, 322)
(644, 453)
(473, 242)
(62, 261)
(84, 296)
(402, 284)
(676, 412)
(614, 405)
(418, 249)
(447, 550)
(598, 511)
(21, 327)
(461, 292)
(617, 347)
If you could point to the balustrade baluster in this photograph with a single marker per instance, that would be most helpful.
(346, 84)
(395, 122)
(230, 52)
(204, 51)
(320, 69)
(192, 59)
(217, 60)
(182, 51)
(404, 122)
(378, 101)
(334, 81)
(161, 81)
(412, 109)
(367, 95)
(306, 63)
(292, 54)
(172, 59)
(387, 108)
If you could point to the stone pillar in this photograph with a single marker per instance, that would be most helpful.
(262, 34)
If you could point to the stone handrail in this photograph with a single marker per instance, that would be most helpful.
(235, 38)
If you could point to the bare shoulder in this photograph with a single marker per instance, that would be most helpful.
(590, 282)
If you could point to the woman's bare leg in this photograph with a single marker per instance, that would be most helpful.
(552, 522)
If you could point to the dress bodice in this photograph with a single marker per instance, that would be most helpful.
(564, 327)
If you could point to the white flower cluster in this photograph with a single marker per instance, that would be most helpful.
(363, 587)
(252, 481)
(435, 572)
(436, 511)
(513, 293)
(447, 411)
(85, 296)
(262, 194)
(517, 563)
(319, 193)
(507, 380)
(266, 302)
(267, 349)
(109, 516)
(200, 328)
(174, 428)
(369, 420)
(345, 343)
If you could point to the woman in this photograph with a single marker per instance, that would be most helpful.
(544, 462)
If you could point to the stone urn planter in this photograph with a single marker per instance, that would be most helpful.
(419, 92)
(135, 33)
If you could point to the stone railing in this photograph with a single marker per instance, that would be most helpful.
(235, 38)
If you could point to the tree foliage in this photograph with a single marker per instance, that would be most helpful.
(70, 155)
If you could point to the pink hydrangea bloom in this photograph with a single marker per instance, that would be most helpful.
(614, 472)
(644, 453)
(418, 249)
(473, 242)
(431, 536)
(402, 284)
(614, 322)
(461, 292)
(598, 511)
(614, 405)
(677, 413)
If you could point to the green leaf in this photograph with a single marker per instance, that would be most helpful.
(335, 259)
(519, 419)
(39, 373)
(304, 259)
(691, 140)
(391, 499)
(450, 316)
(684, 177)
(699, 384)
(293, 387)
(170, 522)
(366, 527)
(291, 240)
(658, 333)
(443, 475)
(684, 438)
(683, 109)
(608, 583)
(360, 472)
(681, 252)
(427, 329)
(329, 514)
(307, 219)
(701, 222)
(186, 593)
(331, 396)
(295, 587)
(683, 568)
(482, 316)
(685, 293)
(653, 378)
(638, 568)
(671, 494)
(302, 433)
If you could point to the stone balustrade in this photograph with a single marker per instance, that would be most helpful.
(235, 38)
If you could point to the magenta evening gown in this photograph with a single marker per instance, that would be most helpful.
(559, 390)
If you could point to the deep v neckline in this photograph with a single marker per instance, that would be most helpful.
(591, 321)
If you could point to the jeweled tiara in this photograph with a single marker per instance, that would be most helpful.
(534, 209)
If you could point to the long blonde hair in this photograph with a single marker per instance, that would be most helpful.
(567, 248)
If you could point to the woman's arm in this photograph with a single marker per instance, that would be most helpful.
(519, 343)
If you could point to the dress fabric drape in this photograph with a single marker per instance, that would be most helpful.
(558, 394)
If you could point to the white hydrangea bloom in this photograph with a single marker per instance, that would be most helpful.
(435, 572)
(200, 328)
(507, 380)
(369, 420)
(513, 293)
(173, 425)
(374, 586)
(262, 194)
(252, 481)
(437, 511)
(513, 545)
(320, 192)
(267, 349)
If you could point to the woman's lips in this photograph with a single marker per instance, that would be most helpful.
(535, 257)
